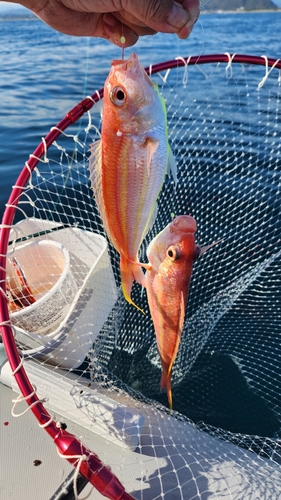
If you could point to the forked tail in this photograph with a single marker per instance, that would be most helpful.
(130, 272)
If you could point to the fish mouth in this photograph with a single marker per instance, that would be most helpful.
(132, 61)
(131, 64)
(184, 223)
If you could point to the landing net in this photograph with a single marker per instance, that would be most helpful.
(100, 354)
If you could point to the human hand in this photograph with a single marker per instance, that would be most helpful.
(110, 19)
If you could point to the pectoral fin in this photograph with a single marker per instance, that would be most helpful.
(151, 147)
(207, 247)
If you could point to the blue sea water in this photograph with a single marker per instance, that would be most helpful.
(45, 73)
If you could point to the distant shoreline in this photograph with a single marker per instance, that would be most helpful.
(16, 17)
(240, 11)
(32, 17)
(19, 18)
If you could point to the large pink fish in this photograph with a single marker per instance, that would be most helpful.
(129, 163)
(171, 255)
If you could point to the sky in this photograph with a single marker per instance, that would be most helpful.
(7, 7)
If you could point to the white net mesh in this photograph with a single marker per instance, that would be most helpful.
(222, 439)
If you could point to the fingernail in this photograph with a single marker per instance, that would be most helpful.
(110, 20)
(178, 17)
(185, 31)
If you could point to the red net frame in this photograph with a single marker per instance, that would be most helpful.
(68, 445)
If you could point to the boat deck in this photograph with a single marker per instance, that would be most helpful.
(31, 468)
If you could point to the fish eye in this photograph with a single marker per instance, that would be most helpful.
(118, 96)
(173, 253)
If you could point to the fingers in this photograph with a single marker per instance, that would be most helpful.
(112, 19)
(193, 9)
(150, 16)
(115, 29)
(166, 16)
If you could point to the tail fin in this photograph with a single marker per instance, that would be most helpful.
(130, 272)
(166, 382)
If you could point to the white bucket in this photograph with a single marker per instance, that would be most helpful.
(91, 292)
(45, 264)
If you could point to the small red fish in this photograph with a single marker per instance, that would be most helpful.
(171, 255)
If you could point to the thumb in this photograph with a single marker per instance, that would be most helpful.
(166, 16)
